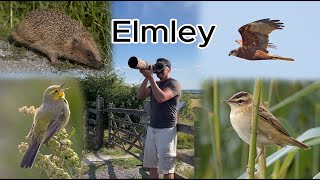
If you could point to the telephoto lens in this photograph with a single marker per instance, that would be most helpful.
(137, 63)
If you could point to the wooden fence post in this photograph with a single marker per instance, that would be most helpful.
(99, 119)
(196, 146)
(110, 119)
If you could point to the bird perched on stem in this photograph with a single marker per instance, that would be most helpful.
(49, 118)
(269, 130)
(255, 41)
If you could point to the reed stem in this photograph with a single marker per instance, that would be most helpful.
(254, 125)
(217, 137)
(316, 149)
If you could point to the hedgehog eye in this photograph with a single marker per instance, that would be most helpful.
(90, 55)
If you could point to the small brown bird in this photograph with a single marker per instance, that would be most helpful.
(269, 130)
(255, 41)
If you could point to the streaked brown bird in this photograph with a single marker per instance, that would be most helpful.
(269, 130)
(255, 41)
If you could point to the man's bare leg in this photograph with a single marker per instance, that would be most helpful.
(168, 176)
(154, 173)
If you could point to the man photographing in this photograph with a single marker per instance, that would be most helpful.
(161, 142)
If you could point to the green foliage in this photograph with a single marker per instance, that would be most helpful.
(112, 88)
(185, 141)
(186, 111)
(94, 15)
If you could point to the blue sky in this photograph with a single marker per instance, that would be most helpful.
(184, 58)
(299, 40)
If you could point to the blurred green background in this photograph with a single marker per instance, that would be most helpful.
(224, 155)
(15, 125)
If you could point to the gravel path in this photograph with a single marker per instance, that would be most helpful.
(111, 172)
(100, 167)
(15, 60)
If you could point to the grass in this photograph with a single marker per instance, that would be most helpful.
(185, 141)
(185, 170)
(126, 163)
(195, 102)
(112, 151)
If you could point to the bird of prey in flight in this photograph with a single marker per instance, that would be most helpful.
(255, 41)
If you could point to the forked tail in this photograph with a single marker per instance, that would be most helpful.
(275, 57)
(294, 142)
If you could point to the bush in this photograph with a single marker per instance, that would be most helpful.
(112, 88)
(186, 111)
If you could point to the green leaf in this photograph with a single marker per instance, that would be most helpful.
(73, 132)
(317, 176)
(310, 137)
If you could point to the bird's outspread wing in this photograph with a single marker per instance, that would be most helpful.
(256, 34)
(266, 115)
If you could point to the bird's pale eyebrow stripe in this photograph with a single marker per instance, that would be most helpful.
(240, 94)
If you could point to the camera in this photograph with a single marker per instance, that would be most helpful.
(137, 63)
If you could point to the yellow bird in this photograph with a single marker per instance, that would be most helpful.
(49, 118)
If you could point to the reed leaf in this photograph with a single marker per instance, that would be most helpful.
(303, 92)
(317, 176)
(285, 165)
(309, 137)
(297, 165)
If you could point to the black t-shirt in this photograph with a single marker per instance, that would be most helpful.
(164, 115)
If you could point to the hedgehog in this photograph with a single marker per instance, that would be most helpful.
(57, 35)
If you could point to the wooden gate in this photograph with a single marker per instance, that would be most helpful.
(126, 134)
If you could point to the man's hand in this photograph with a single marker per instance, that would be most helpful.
(147, 73)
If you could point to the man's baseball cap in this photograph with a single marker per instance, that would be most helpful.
(164, 61)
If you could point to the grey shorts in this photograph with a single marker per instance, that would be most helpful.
(160, 149)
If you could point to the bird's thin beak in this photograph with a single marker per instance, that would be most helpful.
(225, 101)
(62, 85)
(63, 89)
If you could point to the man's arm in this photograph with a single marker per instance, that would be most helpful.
(160, 95)
(143, 90)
